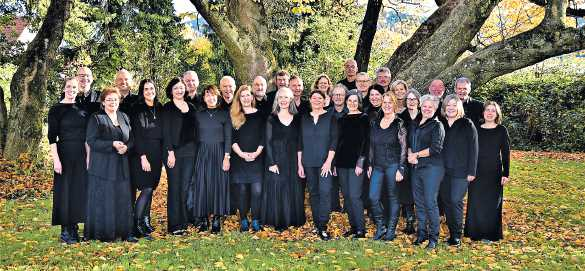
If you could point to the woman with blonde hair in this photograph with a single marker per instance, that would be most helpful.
(399, 89)
(247, 161)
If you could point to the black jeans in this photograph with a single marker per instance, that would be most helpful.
(320, 196)
(425, 187)
(453, 190)
(351, 187)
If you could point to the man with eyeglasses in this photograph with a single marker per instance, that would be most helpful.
(383, 77)
(350, 69)
(363, 83)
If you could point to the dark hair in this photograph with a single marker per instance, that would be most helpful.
(377, 87)
(317, 91)
(171, 84)
(359, 96)
(282, 73)
(141, 89)
(212, 89)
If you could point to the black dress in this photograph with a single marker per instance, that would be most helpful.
(283, 195)
(147, 131)
(109, 203)
(249, 136)
(67, 123)
(485, 194)
(209, 189)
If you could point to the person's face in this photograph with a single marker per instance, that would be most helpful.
(227, 90)
(451, 109)
(178, 91)
(411, 101)
(338, 96)
(259, 88)
(383, 78)
(323, 85)
(149, 92)
(490, 113)
(210, 99)
(428, 109)
(387, 106)
(317, 101)
(353, 103)
(437, 88)
(284, 100)
(71, 89)
(297, 87)
(375, 98)
(350, 68)
(246, 98)
(85, 79)
(191, 82)
(281, 81)
(363, 82)
(462, 90)
(123, 81)
(111, 102)
(400, 91)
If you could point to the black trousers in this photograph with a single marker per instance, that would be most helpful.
(178, 181)
(453, 190)
(320, 196)
(351, 187)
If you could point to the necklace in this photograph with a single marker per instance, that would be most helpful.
(210, 113)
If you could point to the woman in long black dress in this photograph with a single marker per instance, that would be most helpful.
(209, 190)
(411, 116)
(283, 195)
(460, 158)
(179, 149)
(350, 161)
(486, 193)
(247, 165)
(109, 205)
(317, 146)
(146, 162)
(67, 123)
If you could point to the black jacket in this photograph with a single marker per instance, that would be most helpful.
(473, 110)
(172, 124)
(431, 135)
(460, 148)
(146, 126)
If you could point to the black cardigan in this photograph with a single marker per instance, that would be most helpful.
(430, 135)
(460, 148)
(146, 126)
(172, 124)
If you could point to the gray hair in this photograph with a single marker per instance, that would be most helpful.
(431, 98)
(363, 74)
(341, 86)
(414, 92)
(292, 108)
(382, 69)
(463, 80)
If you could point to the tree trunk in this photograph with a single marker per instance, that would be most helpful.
(243, 29)
(369, 27)
(29, 84)
(3, 121)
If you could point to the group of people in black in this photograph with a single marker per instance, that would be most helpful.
(386, 148)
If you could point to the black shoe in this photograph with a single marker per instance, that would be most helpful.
(349, 233)
(147, 225)
(216, 225)
(431, 245)
(409, 229)
(65, 236)
(203, 224)
(359, 234)
(256, 226)
(132, 239)
(324, 235)
(454, 242)
(244, 225)
(390, 235)
(74, 232)
(141, 229)
(380, 230)
(419, 240)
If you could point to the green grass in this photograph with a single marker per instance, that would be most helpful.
(544, 215)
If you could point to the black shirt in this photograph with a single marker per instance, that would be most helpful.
(431, 135)
(215, 126)
(318, 139)
(352, 147)
(388, 146)
(460, 148)
(473, 110)
(304, 107)
(196, 100)
(350, 85)
(172, 124)
(249, 137)
(127, 102)
(67, 122)
(264, 106)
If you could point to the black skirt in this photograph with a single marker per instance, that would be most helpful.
(142, 179)
(209, 190)
(70, 187)
(484, 205)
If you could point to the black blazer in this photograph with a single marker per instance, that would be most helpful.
(172, 124)
(430, 134)
(104, 160)
(460, 148)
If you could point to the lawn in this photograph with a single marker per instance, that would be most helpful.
(544, 217)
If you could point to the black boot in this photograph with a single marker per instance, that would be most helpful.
(147, 224)
(380, 228)
(66, 235)
(74, 232)
(141, 230)
(409, 212)
(203, 224)
(216, 224)
(391, 229)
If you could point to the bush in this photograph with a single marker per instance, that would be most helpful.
(541, 113)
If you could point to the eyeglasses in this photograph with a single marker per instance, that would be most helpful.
(111, 100)
(411, 99)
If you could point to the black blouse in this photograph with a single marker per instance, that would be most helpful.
(215, 126)
(249, 137)
(431, 135)
(494, 143)
(318, 139)
(460, 148)
(146, 125)
(388, 146)
(67, 122)
(352, 147)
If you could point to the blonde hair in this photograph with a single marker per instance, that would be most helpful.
(107, 91)
(393, 99)
(498, 119)
(448, 98)
(237, 111)
(292, 108)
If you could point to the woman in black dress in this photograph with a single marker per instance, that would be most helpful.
(283, 195)
(411, 116)
(247, 165)
(209, 190)
(486, 193)
(460, 158)
(351, 154)
(318, 143)
(146, 162)
(179, 149)
(387, 158)
(109, 205)
(67, 123)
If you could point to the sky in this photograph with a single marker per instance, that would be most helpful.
(182, 6)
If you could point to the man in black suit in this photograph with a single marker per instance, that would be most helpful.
(473, 108)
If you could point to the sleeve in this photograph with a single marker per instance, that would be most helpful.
(93, 140)
(365, 142)
(270, 159)
(371, 144)
(53, 129)
(300, 135)
(262, 135)
(473, 150)
(505, 151)
(137, 132)
(130, 143)
(334, 134)
(403, 148)
(166, 124)
(437, 138)
(227, 133)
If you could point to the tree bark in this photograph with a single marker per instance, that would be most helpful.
(29, 84)
(243, 29)
(367, 34)
(3, 121)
